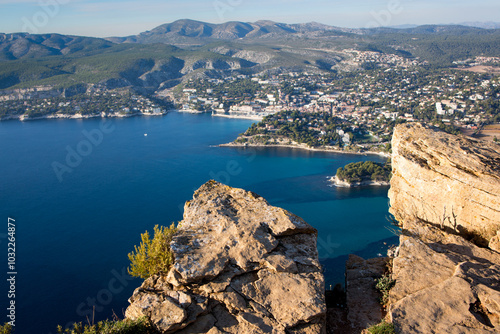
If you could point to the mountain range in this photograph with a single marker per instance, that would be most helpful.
(166, 55)
(189, 32)
(484, 25)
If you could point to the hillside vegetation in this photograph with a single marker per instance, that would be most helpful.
(365, 171)
(161, 57)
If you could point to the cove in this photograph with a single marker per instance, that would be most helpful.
(73, 233)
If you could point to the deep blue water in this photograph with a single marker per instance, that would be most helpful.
(74, 231)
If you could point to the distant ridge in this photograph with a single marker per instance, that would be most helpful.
(404, 26)
(172, 52)
(195, 32)
(190, 32)
(24, 45)
(484, 25)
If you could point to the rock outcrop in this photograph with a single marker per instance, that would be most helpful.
(446, 180)
(241, 266)
(362, 299)
(445, 193)
(444, 284)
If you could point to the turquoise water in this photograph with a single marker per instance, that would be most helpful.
(75, 225)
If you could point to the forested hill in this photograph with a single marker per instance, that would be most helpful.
(364, 172)
(438, 44)
(167, 55)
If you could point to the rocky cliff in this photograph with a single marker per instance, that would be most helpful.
(449, 181)
(241, 266)
(445, 193)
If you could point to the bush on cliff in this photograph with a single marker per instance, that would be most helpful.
(382, 328)
(153, 256)
(127, 326)
(384, 285)
(5, 329)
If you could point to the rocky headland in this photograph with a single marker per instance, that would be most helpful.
(243, 266)
(302, 146)
(337, 182)
(448, 181)
(445, 194)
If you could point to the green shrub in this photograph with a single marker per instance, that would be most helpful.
(127, 326)
(153, 256)
(384, 284)
(6, 328)
(382, 328)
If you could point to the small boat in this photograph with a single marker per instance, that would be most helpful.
(145, 135)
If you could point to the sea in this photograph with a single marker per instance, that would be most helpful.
(79, 193)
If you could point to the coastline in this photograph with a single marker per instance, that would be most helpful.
(336, 182)
(307, 148)
(23, 117)
(253, 118)
(183, 170)
(191, 111)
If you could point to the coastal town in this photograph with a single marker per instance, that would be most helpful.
(225, 166)
(353, 110)
(37, 103)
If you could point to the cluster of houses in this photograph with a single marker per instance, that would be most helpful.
(382, 59)
(392, 93)
(398, 88)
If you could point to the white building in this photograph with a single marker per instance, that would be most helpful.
(439, 109)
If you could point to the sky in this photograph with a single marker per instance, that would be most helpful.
(122, 18)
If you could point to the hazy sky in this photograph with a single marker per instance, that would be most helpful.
(121, 18)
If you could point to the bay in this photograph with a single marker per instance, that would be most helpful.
(75, 225)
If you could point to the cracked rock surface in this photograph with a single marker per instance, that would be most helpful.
(445, 193)
(241, 266)
(446, 180)
(444, 284)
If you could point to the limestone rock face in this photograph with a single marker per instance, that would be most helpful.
(362, 297)
(449, 181)
(445, 192)
(241, 266)
(444, 284)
